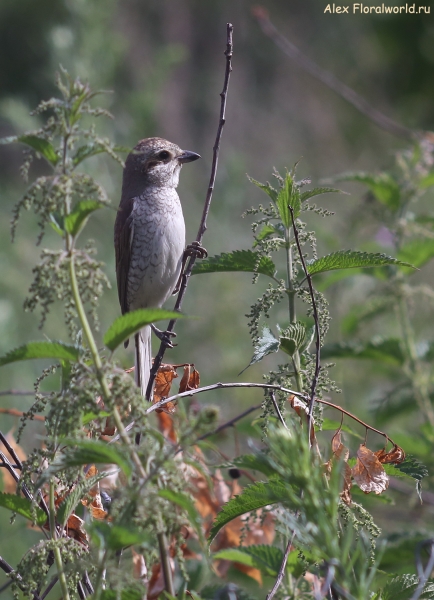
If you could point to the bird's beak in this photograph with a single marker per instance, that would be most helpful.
(188, 156)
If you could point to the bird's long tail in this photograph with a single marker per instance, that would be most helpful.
(143, 358)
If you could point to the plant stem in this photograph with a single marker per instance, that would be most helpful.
(291, 303)
(100, 576)
(56, 549)
(97, 361)
(165, 563)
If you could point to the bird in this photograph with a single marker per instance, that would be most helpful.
(149, 236)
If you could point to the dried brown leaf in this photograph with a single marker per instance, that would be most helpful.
(139, 566)
(163, 382)
(368, 472)
(190, 379)
(394, 456)
(166, 425)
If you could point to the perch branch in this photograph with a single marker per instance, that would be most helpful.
(202, 227)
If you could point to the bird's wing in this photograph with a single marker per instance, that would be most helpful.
(124, 231)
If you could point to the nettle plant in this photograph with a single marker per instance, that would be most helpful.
(137, 526)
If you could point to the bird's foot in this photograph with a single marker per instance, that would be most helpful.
(164, 336)
(195, 249)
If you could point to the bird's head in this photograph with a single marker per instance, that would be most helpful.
(155, 162)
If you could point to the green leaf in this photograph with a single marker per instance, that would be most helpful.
(403, 587)
(116, 537)
(67, 507)
(252, 497)
(265, 232)
(384, 188)
(91, 452)
(267, 188)
(289, 194)
(55, 350)
(292, 338)
(364, 312)
(387, 351)
(414, 469)
(267, 559)
(76, 220)
(255, 462)
(87, 151)
(245, 261)
(91, 416)
(266, 344)
(419, 251)
(187, 504)
(351, 259)
(318, 191)
(128, 324)
(23, 507)
(42, 147)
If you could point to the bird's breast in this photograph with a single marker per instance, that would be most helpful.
(156, 248)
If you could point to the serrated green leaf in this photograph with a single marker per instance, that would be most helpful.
(54, 350)
(289, 195)
(388, 351)
(43, 147)
(91, 452)
(187, 504)
(252, 497)
(245, 261)
(266, 344)
(255, 462)
(266, 187)
(292, 338)
(23, 507)
(418, 252)
(318, 191)
(414, 469)
(351, 259)
(403, 587)
(128, 324)
(265, 232)
(76, 220)
(87, 151)
(384, 188)
(67, 507)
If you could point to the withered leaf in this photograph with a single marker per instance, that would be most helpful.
(301, 409)
(341, 452)
(166, 425)
(163, 382)
(190, 379)
(75, 529)
(394, 456)
(9, 483)
(368, 472)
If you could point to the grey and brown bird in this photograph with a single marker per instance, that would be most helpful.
(149, 236)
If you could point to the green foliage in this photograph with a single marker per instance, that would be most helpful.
(126, 325)
(87, 452)
(403, 588)
(23, 507)
(31, 350)
(349, 259)
(388, 351)
(239, 260)
(383, 187)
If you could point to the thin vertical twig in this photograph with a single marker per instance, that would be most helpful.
(282, 569)
(316, 321)
(423, 573)
(277, 409)
(202, 227)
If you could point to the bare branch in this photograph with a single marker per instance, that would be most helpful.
(330, 80)
(282, 569)
(202, 227)
(276, 408)
(229, 423)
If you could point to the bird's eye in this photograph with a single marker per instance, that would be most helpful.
(164, 155)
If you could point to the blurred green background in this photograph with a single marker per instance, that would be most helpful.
(163, 62)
